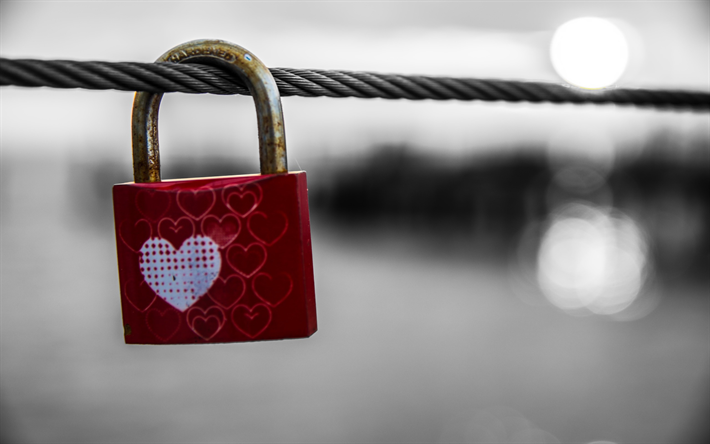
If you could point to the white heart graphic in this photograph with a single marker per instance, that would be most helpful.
(181, 276)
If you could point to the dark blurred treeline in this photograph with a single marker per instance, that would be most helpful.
(493, 200)
(482, 201)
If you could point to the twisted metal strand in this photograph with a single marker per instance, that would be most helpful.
(201, 79)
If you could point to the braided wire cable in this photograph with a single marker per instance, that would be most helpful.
(202, 79)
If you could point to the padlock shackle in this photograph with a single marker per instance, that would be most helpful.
(261, 84)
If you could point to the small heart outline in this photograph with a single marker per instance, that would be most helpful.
(241, 251)
(213, 312)
(154, 323)
(268, 237)
(239, 314)
(221, 239)
(241, 191)
(195, 195)
(262, 294)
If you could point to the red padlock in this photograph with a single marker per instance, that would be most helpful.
(225, 259)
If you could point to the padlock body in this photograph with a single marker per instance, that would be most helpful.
(225, 259)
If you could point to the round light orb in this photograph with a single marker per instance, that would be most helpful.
(592, 260)
(589, 52)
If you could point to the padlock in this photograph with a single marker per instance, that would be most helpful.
(224, 259)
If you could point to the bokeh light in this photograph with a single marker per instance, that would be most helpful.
(589, 52)
(592, 260)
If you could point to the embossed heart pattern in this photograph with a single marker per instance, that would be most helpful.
(215, 260)
(179, 265)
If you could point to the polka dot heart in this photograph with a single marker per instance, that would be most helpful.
(181, 276)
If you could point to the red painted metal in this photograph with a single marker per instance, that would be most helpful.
(215, 260)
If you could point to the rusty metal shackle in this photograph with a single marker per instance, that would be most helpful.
(261, 84)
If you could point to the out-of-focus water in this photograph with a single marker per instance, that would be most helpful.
(414, 344)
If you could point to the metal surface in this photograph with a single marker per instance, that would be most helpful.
(261, 84)
(203, 79)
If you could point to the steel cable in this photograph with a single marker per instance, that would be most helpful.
(202, 79)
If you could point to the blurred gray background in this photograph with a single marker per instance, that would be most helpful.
(485, 272)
